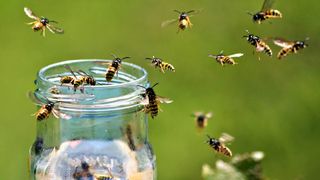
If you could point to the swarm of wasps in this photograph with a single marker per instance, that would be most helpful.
(78, 79)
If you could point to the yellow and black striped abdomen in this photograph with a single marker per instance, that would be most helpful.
(228, 60)
(43, 113)
(266, 48)
(110, 74)
(284, 52)
(167, 66)
(153, 108)
(272, 13)
(224, 150)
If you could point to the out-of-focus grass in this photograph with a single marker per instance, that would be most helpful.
(269, 105)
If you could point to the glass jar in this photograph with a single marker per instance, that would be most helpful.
(101, 132)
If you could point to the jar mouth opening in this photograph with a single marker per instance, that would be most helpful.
(121, 93)
(138, 80)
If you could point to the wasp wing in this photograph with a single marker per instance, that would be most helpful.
(33, 98)
(55, 30)
(283, 43)
(145, 101)
(164, 100)
(236, 55)
(193, 12)
(213, 56)
(30, 14)
(168, 22)
(60, 115)
(209, 115)
(226, 138)
(267, 4)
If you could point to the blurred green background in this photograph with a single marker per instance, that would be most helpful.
(268, 105)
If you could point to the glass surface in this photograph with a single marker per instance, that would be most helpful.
(101, 132)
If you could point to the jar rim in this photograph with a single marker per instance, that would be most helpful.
(94, 104)
(41, 73)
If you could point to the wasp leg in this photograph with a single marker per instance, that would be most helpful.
(43, 32)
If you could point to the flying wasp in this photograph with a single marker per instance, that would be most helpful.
(158, 63)
(289, 46)
(42, 23)
(114, 67)
(152, 102)
(223, 59)
(201, 119)
(219, 144)
(46, 109)
(258, 43)
(266, 12)
(183, 20)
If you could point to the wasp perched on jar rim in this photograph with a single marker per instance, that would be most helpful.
(289, 46)
(80, 81)
(152, 102)
(219, 144)
(46, 109)
(42, 23)
(258, 43)
(226, 59)
(183, 20)
(266, 12)
(201, 119)
(158, 63)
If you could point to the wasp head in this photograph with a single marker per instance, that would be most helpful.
(301, 44)
(183, 15)
(84, 165)
(44, 21)
(50, 105)
(257, 17)
(213, 142)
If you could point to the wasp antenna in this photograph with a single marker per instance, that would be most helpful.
(148, 58)
(177, 11)
(154, 85)
(190, 11)
(53, 21)
(113, 55)
(141, 86)
(249, 13)
(127, 57)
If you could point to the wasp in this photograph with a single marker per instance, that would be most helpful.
(114, 67)
(54, 90)
(40, 24)
(158, 63)
(258, 43)
(223, 59)
(38, 145)
(219, 144)
(129, 136)
(103, 176)
(83, 173)
(183, 20)
(266, 12)
(152, 102)
(83, 79)
(46, 109)
(289, 46)
(201, 119)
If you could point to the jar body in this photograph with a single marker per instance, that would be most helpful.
(94, 143)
